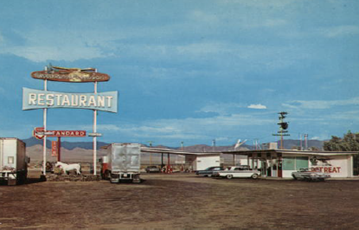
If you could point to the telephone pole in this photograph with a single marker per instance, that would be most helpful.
(283, 126)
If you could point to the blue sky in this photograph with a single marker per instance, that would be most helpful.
(190, 71)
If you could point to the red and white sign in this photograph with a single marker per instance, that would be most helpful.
(54, 148)
(39, 133)
(66, 133)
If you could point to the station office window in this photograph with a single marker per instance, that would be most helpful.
(288, 163)
(294, 163)
(301, 162)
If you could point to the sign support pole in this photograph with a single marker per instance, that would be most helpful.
(59, 149)
(95, 138)
(44, 143)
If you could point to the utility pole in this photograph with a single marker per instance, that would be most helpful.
(283, 126)
(214, 144)
(150, 142)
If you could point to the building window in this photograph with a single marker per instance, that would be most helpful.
(301, 162)
(288, 163)
(294, 163)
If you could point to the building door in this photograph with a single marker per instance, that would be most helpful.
(280, 172)
(274, 167)
(263, 168)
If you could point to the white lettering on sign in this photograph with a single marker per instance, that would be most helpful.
(109, 100)
(92, 101)
(37, 99)
(67, 133)
(49, 99)
(74, 100)
(32, 99)
(65, 101)
(40, 100)
(82, 100)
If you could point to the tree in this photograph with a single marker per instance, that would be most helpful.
(350, 142)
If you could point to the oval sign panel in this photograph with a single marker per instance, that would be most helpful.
(54, 73)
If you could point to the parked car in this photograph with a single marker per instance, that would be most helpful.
(242, 171)
(153, 169)
(209, 171)
(309, 175)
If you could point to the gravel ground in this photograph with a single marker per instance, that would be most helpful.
(180, 201)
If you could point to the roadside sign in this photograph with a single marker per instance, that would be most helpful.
(54, 148)
(43, 99)
(95, 134)
(54, 73)
(39, 133)
(66, 133)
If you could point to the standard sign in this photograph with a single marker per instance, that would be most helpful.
(66, 133)
(39, 133)
(39, 99)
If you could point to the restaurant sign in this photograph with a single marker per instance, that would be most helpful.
(54, 73)
(40, 99)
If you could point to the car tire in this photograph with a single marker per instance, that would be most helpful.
(229, 176)
(255, 176)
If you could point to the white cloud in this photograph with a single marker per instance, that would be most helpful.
(275, 22)
(260, 3)
(269, 23)
(340, 31)
(203, 17)
(189, 128)
(320, 104)
(221, 108)
(67, 53)
(257, 106)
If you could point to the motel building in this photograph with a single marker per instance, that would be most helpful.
(281, 163)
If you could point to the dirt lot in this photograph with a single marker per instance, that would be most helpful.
(181, 201)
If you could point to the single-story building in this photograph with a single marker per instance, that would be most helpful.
(281, 163)
(193, 160)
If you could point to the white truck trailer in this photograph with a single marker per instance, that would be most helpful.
(13, 161)
(123, 162)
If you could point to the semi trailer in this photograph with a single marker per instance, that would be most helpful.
(122, 163)
(13, 161)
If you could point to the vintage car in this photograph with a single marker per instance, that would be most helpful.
(242, 171)
(209, 171)
(309, 175)
(153, 169)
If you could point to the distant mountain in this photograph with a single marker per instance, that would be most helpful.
(287, 144)
(64, 144)
(206, 148)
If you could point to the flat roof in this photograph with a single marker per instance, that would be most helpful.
(177, 152)
(294, 152)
